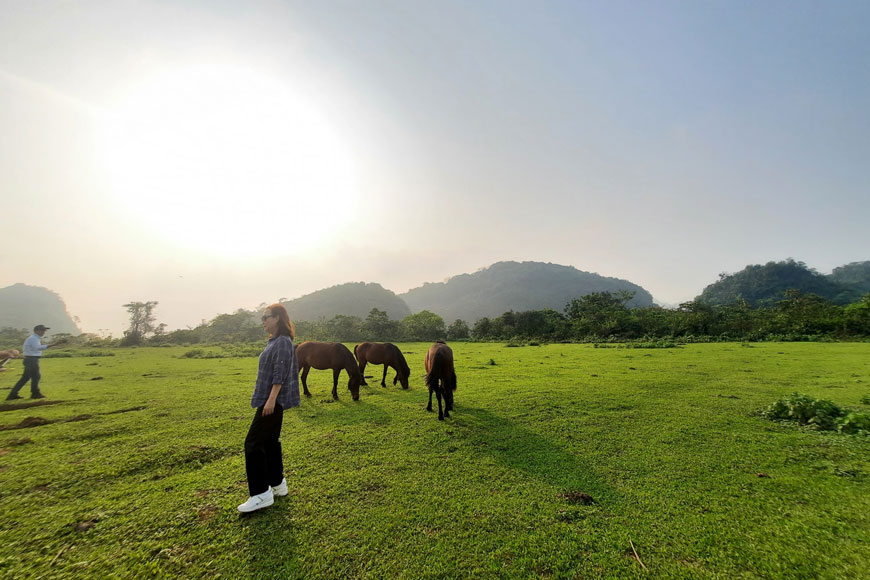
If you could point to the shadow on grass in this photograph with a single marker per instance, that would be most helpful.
(273, 551)
(328, 414)
(519, 448)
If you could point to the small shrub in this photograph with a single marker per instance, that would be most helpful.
(491, 362)
(805, 410)
(865, 400)
(801, 408)
(855, 422)
(778, 411)
(825, 415)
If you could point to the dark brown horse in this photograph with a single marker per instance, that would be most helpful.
(329, 355)
(382, 353)
(440, 377)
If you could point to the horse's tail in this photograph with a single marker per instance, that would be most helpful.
(355, 354)
(436, 370)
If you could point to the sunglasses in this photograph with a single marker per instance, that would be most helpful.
(265, 316)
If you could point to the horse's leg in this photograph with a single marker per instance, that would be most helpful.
(429, 407)
(384, 378)
(448, 398)
(362, 371)
(440, 412)
(304, 376)
(335, 373)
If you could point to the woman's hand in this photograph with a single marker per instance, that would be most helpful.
(269, 407)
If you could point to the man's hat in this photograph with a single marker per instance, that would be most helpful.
(39, 327)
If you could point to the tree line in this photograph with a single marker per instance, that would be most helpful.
(595, 317)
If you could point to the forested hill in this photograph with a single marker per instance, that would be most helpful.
(23, 307)
(855, 276)
(761, 285)
(517, 286)
(352, 299)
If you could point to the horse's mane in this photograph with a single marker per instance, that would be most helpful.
(350, 362)
(401, 360)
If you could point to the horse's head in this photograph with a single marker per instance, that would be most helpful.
(353, 385)
(402, 376)
(403, 371)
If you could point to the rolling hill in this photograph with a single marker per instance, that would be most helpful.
(351, 299)
(765, 284)
(515, 286)
(23, 306)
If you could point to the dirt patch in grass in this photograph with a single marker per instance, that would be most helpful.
(27, 423)
(160, 465)
(84, 417)
(130, 410)
(84, 526)
(577, 497)
(205, 513)
(16, 406)
(17, 442)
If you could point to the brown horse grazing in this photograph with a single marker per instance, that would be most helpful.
(329, 355)
(440, 377)
(382, 353)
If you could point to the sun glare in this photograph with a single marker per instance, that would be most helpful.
(229, 161)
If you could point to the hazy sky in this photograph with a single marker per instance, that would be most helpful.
(214, 155)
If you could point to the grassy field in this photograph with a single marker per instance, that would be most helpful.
(138, 468)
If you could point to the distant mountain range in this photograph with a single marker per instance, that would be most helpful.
(515, 286)
(23, 306)
(488, 292)
(760, 285)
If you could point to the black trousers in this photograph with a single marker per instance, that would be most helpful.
(264, 462)
(31, 373)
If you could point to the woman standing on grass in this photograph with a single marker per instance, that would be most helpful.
(277, 388)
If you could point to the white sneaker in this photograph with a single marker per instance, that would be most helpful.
(258, 501)
(280, 490)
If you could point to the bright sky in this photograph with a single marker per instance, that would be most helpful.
(214, 155)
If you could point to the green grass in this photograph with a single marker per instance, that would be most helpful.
(667, 442)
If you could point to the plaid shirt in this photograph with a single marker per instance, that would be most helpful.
(278, 366)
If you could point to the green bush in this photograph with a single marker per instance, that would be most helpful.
(801, 408)
(779, 411)
(825, 415)
(855, 422)
(805, 410)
